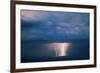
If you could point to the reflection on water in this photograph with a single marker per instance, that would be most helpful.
(60, 49)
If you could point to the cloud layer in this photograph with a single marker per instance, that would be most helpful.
(54, 25)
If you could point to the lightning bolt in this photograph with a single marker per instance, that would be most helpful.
(59, 48)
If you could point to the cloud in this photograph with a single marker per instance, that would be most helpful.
(30, 15)
(54, 25)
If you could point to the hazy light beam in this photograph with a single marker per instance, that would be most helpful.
(59, 48)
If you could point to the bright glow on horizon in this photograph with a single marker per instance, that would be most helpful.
(59, 48)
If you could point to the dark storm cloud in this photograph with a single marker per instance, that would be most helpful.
(54, 25)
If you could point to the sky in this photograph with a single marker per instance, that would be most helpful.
(42, 27)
